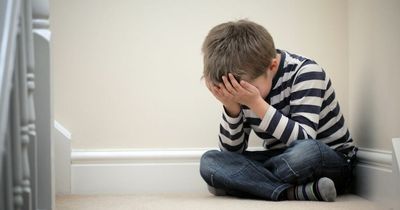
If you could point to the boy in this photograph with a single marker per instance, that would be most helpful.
(289, 102)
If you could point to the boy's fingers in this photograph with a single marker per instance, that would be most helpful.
(234, 82)
(214, 90)
(224, 91)
(228, 85)
(248, 86)
(211, 88)
(219, 89)
(244, 84)
(221, 86)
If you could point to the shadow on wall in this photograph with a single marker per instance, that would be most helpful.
(365, 114)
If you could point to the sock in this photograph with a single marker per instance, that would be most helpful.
(320, 190)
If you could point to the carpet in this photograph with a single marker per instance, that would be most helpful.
(201, 201)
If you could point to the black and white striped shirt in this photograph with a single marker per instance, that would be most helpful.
(302, 106)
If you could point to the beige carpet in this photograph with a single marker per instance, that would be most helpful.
(201, 201)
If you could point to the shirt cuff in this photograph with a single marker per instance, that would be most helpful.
(267, 118)
(232, 120)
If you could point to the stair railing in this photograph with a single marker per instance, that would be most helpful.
(17, 111)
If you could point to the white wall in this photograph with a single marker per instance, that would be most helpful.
(374, 92)
(127, 73)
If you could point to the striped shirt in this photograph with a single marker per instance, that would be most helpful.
(302, 106)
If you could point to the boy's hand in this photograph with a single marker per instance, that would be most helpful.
(243, 92)
(220, 92)
(246, 94)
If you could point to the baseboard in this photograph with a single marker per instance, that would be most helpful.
(177, 170)
(136, 171)
(376, 178)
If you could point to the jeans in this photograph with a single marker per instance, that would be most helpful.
(267, 174)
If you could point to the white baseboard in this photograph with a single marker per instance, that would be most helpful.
(137, 171)
(136, 178)
(177, 170)
(376, 178)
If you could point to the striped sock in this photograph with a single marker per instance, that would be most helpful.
(320, 190)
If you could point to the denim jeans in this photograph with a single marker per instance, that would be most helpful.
(266, 174)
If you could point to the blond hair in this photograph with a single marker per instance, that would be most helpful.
(243, 48)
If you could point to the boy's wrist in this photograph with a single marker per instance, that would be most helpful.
(259, 107)
(232, 110)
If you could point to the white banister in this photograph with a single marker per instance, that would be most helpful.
(19, 186)
(11, 197)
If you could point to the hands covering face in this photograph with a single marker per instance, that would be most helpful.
(231, 92)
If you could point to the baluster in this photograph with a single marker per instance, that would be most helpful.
(33, 139)
(17, 182)
(16, 137)
(25, 140)
(30, 79)
(8, 179)
(8, 166)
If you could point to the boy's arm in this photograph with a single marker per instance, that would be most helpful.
(306, 100)
(234, 133)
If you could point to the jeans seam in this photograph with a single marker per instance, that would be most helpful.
(291, 169)
(245, 166)
(285, 178)
(320, 161)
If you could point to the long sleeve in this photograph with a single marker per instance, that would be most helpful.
(234, 133)
(306, 98)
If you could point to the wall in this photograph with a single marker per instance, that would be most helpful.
(374, 49)
(127, 73)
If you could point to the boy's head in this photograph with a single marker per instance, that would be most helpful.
(242, 48)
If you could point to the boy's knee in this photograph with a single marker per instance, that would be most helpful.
(213, 161)
(208, 156)
(207, 161)
(299, 162)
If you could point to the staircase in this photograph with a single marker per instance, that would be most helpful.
(25, 166)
